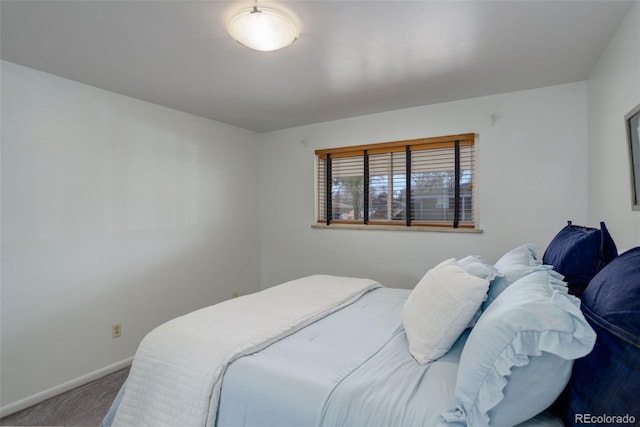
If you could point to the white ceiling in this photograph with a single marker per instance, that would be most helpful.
(352, 57)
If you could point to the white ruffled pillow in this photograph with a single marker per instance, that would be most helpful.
(518, 357)
(439, 308)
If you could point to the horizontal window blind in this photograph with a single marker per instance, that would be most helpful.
(426, 182)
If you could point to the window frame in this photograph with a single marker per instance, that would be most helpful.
(408, 224)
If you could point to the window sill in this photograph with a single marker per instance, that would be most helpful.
(395, 228)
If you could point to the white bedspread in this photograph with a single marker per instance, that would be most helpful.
(177, 372)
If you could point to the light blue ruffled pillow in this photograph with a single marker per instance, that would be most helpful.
(518, 357)
(476, 266)
(512, 266)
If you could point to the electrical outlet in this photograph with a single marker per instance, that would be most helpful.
(235, 294)
(116, 330)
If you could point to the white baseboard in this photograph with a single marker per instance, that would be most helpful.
(54, 391)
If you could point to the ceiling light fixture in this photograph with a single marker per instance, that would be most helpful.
(263, 28)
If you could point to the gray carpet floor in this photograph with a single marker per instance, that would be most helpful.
(83, 406)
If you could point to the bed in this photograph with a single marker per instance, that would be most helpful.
(472, 344)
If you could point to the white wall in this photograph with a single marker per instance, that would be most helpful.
(614, 89)
(532, 178)
(113, 209)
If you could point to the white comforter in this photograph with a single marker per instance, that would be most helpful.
(177, 372)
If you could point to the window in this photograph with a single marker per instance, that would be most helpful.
(426, 182)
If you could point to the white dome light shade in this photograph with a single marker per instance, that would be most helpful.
(263, 29)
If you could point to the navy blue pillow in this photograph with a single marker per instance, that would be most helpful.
(578, 253)
(606, 382)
